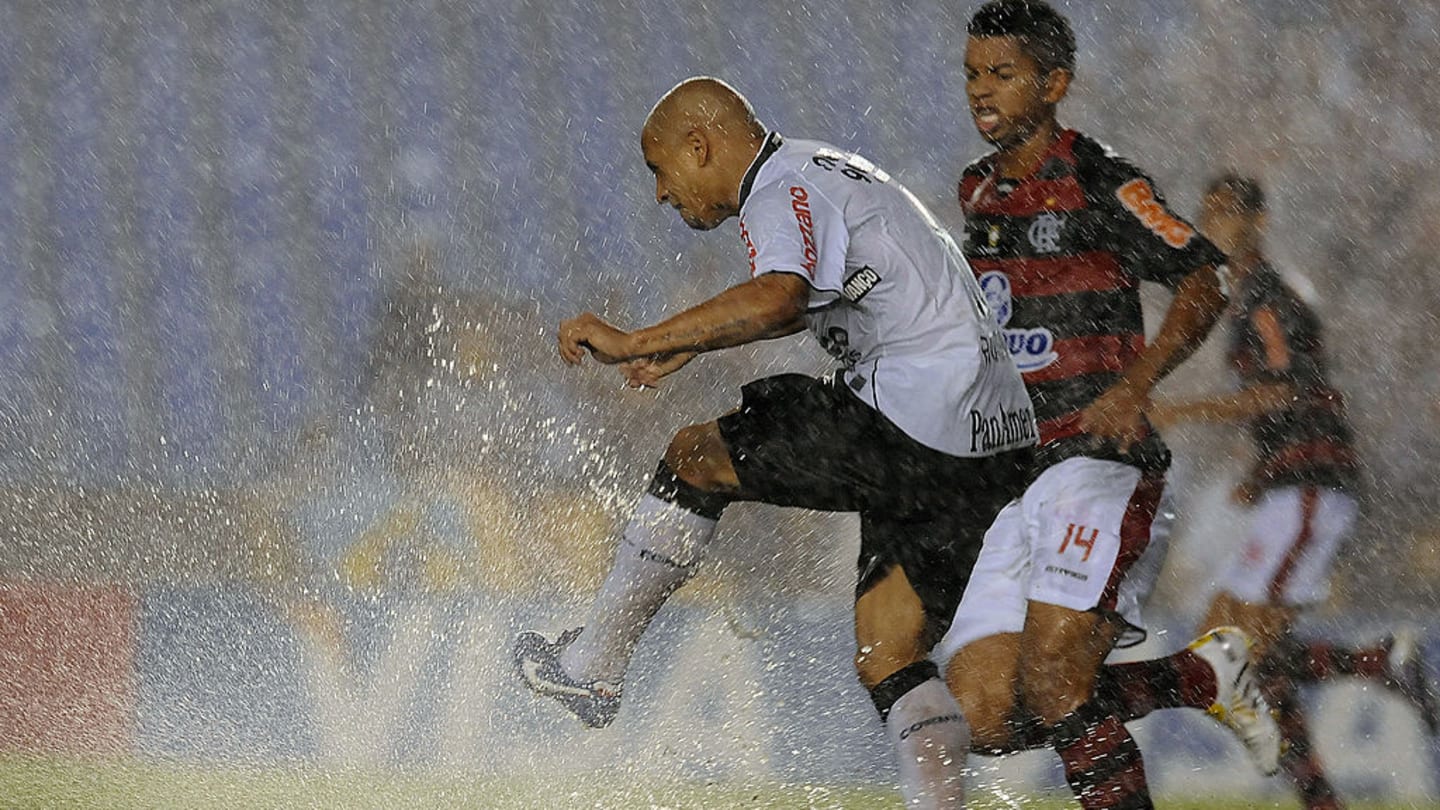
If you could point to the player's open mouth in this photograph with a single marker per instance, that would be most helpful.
(987, 120)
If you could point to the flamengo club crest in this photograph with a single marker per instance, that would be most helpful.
(1032, 349)
(1045, 232)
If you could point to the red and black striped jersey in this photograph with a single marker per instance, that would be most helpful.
(1276, 338)
(1060, 255)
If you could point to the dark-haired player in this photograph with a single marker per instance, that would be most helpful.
(925, 430)
(1061, 232)
(1301, 493)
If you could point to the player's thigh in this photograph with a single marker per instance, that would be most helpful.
(1291, 540)
(982, 677)
(800, 441)
(1061, 651)
(889, 628)
(936, 537)
(1097, 538)
(699, 455)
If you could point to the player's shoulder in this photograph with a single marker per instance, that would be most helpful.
(794, 160)
(980, 167)
(790, 183)
(804, 155)
(805, 148)
(974, 174)
(1100, 168)
(1267, 286)
(824, 161)
(817, 168)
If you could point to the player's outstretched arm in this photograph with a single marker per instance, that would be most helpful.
(769, 306)
(586, 332)
(1118, 413)
(1241, 406)
(765, 307)
(649, 371)
(772, 305)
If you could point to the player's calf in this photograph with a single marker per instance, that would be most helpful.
(922, 720)
(890, 625)
(661, 547)
(929, 734)
(981, 676)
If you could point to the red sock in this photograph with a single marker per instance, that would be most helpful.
(1307, 662)
(1134, 690)
(1102, 763)
(1327, 661)
(1299, 761)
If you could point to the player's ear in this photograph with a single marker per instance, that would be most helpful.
(1057, 84)
(698, 146)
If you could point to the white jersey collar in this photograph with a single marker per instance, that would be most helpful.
(772, 143)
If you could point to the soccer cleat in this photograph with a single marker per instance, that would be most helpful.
(1238, 704)
(538, 663)
(1406, 673)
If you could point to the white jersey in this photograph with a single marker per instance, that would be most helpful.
(891, 296)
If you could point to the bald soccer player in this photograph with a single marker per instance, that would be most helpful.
(925, 429)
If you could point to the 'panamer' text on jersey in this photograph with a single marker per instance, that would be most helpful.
(890, 296)
(1060, 255)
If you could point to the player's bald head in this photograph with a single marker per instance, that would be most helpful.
(699, 140)
(705, 104)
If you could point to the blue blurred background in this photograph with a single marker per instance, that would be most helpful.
(226, 222)
(279, 280)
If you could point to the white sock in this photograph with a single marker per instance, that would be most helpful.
(659, 550)
(931, 740)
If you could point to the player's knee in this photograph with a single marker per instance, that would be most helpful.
(988, 704)
(897, 684)
(670, 487)
(890, 627)
(875, 663)
(1053, 691)
(697, 455)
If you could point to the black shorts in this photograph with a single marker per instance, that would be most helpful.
(806, 442)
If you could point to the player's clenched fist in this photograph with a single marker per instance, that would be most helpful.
(587, 332)
(1118, 414)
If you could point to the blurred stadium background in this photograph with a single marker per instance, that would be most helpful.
(287, 457)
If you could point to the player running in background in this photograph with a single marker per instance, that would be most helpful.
(925, 431)
(1301, 492)
(1061, 232)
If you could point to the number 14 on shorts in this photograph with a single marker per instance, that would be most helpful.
(1076, 535)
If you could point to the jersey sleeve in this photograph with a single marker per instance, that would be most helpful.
(1152, 241)
(792, 227)
(1277, 359)
(1286, 348)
